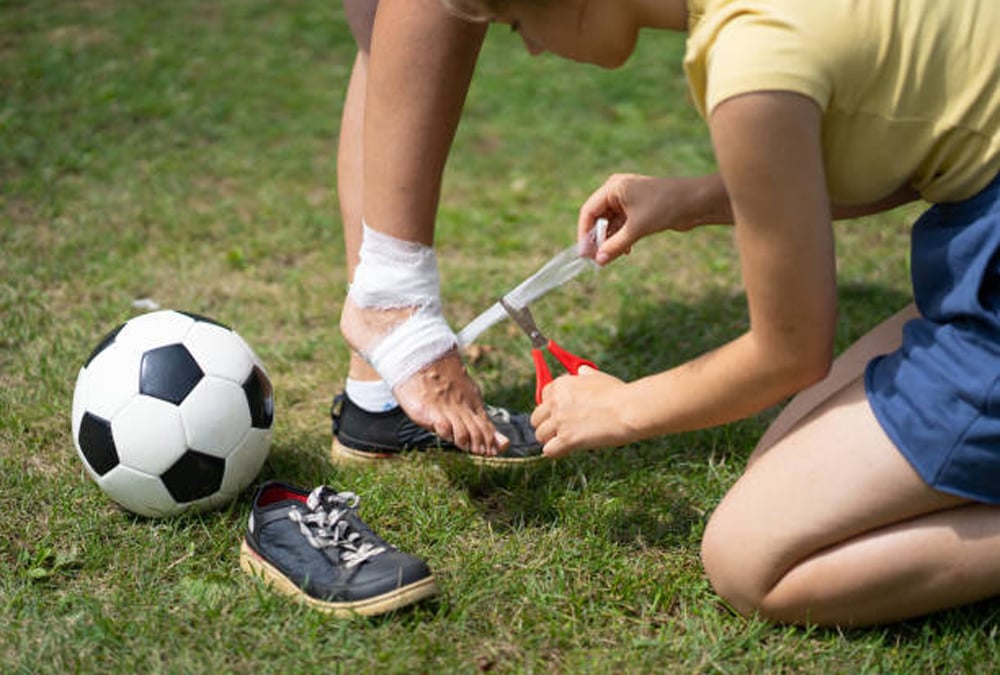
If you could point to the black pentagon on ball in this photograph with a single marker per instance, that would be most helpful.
(169, 373)
(97, 444)
(194, 476)
(260, 398)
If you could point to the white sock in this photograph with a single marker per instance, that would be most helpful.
(371, 395)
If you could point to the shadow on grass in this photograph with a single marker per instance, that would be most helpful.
(647, 513)
(649, 338)
(962, 626)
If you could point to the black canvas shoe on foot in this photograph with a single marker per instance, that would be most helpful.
(362, 436)
(314, 546)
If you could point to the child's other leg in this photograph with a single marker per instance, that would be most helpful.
(831, 525)
(350, 154)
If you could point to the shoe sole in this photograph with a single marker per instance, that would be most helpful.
(344, 456)
(257, 567)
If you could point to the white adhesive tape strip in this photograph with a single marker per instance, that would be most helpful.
(557, 271)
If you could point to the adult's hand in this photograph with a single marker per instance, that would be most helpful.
(581, 412)
(636, 206)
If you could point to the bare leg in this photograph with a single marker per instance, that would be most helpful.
(389, 170)
(350, 185)
(831, 525)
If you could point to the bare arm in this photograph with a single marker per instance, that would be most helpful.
(637, 206)
(414, 101)
(769, 155)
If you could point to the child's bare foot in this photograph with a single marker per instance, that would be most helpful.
(443, 398)
(440, 397)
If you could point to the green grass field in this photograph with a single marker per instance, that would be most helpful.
(185, 152)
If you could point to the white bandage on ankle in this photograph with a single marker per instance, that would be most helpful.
(421, 339)
(394, 273)
(397, 274)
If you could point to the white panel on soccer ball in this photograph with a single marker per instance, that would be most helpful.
(219, 351)
(139, 492)
(215, 416)
(245, 462)
(149, 434)
(255, 358)
(155, 329)
(110, 381)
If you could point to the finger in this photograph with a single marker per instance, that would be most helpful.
(545, 431)
(615, 246)
(555, 448)
(593, 208)
(539, 415)
(587, 370)
(596, 206)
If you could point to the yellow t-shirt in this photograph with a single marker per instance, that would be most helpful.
(909, 89)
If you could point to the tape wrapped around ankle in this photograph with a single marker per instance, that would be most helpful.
(421, 339)
(394, 273)
(397, 274)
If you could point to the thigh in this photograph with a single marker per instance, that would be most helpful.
(361, 18)
(831, 477)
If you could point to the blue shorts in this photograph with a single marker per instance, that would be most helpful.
(938, 395)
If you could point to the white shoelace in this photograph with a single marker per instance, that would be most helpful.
(498, 413)
(324, 527)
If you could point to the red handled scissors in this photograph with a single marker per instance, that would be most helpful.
(539, 344)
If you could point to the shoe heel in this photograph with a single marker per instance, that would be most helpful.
(342, 455)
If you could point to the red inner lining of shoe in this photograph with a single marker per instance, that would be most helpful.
(277, 494)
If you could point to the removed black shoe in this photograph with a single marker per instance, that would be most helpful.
(315, 547)
(362, 436)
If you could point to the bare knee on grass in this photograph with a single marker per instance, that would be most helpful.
(746, 576)
(781, 543)
(735, 567)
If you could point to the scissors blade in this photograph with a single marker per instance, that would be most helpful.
(522, 317)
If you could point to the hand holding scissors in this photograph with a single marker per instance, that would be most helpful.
(539, 345)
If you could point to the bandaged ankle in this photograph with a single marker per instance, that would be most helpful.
(420, 340)
(394, 274)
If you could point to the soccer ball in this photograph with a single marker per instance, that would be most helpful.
(172, 412)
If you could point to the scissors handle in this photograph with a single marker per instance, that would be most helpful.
(542, 373)
(571, 361)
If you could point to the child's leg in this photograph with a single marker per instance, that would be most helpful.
(831, 525)
(350, 154)
(421, 38)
